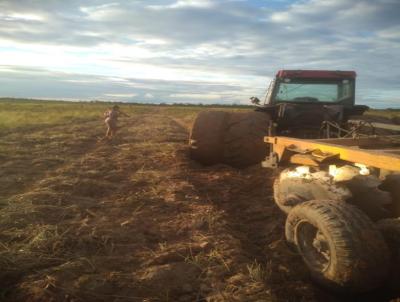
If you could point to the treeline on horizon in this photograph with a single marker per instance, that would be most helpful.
(214, 105)
(7, 99)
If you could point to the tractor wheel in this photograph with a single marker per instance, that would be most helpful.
(206, 137)
(293, 188)
(340, 245)
(244, 138)
(391, 184)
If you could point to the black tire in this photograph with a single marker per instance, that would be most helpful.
(391, 184)
(390, 229)
(206, 137)
(293, 190)
(369, 197)
(244, 138)
(283, 202)
(352, 255)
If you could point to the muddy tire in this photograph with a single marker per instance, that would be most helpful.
(283, 202)
(206, 137)
(368, 196)
(293, 190)
(340, 245)
(244, 138)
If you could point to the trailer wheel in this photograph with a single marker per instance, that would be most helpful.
(292, 188)
(285, 203)
(244, 138)
(339, 244)
(206, 137)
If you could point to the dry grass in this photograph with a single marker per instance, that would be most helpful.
(256, 271)
(389, 114)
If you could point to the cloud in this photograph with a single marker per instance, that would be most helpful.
(120, 95)
(236, 44)
(196, 96)
(184, 4)
(45, 84)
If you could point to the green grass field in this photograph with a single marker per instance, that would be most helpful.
(22, 113)
(17, 113)
(27, 113)
(390, 113)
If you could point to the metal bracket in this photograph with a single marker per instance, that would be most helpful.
(271, 161)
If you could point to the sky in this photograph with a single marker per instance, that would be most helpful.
(193, 51)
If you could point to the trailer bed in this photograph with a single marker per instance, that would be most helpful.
(379, 152)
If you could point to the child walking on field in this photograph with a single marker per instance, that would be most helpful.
(111, 118)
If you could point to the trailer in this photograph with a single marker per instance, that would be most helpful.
(342, 200)
(373, 151)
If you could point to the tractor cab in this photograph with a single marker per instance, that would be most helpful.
(304, 99)
(313, 86)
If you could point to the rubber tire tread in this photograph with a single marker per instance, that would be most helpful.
(244, 138)
(279, 199)
(206, 137)
(359, 254)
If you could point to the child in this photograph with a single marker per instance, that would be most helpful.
(111, 116)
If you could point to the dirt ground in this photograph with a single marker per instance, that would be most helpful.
(135, 220)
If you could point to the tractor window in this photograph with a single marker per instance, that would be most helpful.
(314, 92)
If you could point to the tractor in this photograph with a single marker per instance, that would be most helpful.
(299, 103)
(338, 180)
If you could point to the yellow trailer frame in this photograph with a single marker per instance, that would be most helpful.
(378, 152)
